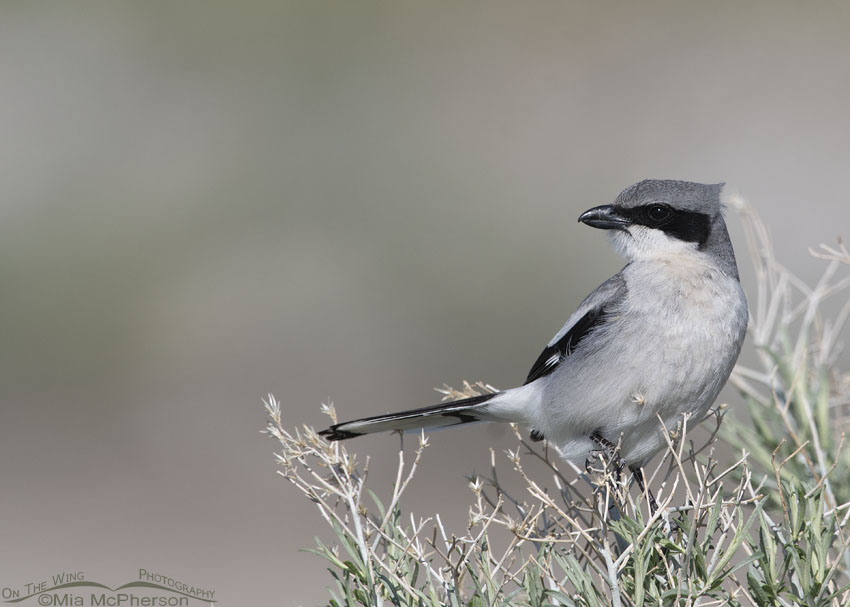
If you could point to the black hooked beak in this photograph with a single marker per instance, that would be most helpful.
(604, 217)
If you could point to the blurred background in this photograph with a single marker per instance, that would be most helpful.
(203, 202)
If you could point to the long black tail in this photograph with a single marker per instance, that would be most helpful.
(452, 413)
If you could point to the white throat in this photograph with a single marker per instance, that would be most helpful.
(640, 243)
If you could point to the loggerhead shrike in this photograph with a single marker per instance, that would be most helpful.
(657, 339)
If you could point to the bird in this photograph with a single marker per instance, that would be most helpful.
(653, 343)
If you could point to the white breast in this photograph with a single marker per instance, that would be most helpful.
(667, 350)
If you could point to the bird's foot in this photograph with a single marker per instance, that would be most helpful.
(610, 451)
(536, 436)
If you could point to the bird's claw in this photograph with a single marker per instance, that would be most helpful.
(610, 451)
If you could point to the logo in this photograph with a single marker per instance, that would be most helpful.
(74, 589)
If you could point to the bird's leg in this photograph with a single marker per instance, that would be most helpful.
(637, 472)
(612, 485)
(611, 451)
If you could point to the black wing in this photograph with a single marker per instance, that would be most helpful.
(554, 353)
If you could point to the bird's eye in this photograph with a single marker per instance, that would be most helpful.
(658, 213)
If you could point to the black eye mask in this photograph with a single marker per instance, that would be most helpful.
(689, 226)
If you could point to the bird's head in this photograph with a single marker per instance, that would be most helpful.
(658, 218)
